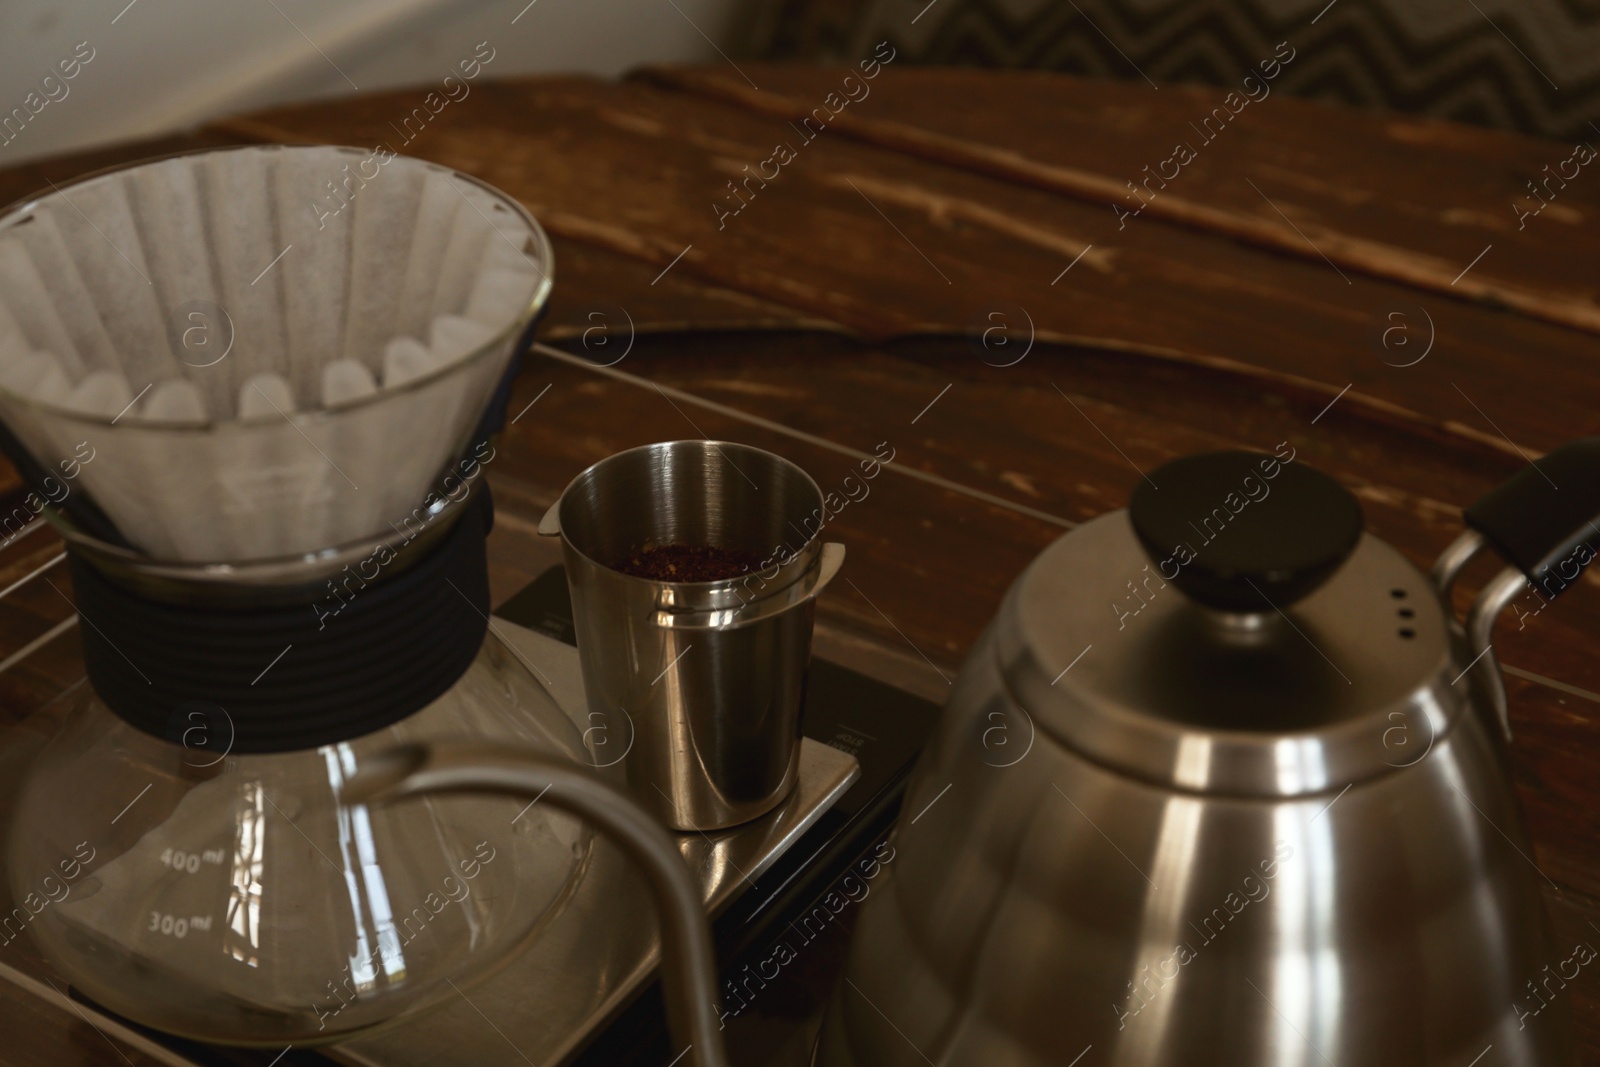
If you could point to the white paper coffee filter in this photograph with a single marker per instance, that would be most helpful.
(239, 220)
(271, 350)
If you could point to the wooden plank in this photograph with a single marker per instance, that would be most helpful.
(1410, 200)
(591, 280)
(1066, 433)
(1575, 920)
(884, 244)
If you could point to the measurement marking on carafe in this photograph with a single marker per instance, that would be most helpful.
(1481, 1055)
(191, 862)
(1502, 833)
(178, 926)
(1073, 664)
(1332, 402)
(931, 803)
(131, 803)
(1291, 1025)
(1105, 835)
(531, 803)
(90, 1021)
(1080, 1056)
(490, 1021)
(273, 664)
(1474, 663)
(932, 402)
(1332, 802)
(669, 666)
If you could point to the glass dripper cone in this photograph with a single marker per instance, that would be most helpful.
(227, 362)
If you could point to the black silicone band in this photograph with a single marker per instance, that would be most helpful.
(293, 676)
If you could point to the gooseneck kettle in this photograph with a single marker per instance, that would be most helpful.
(1223, 783)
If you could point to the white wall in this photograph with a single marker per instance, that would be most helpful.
(163, 65)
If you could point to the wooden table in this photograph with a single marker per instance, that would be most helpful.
(941, 269)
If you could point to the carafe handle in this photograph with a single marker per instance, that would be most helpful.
(689, 972)
(1545, 522)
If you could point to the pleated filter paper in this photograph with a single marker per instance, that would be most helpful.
(272, 350)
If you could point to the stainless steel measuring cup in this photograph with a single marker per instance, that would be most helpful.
(702, 683)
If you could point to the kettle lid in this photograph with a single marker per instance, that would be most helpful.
(1233, 631)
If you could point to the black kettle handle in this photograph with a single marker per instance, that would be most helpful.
(1545, 520)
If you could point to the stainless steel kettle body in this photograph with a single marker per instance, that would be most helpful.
(1262, 818)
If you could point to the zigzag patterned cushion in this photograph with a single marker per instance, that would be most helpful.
(1530, 65)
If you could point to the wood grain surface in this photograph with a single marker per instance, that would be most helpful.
(941, 269)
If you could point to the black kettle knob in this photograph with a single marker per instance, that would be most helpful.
(1244, 531)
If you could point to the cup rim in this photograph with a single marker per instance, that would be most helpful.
(19, 211)
(799, 562)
